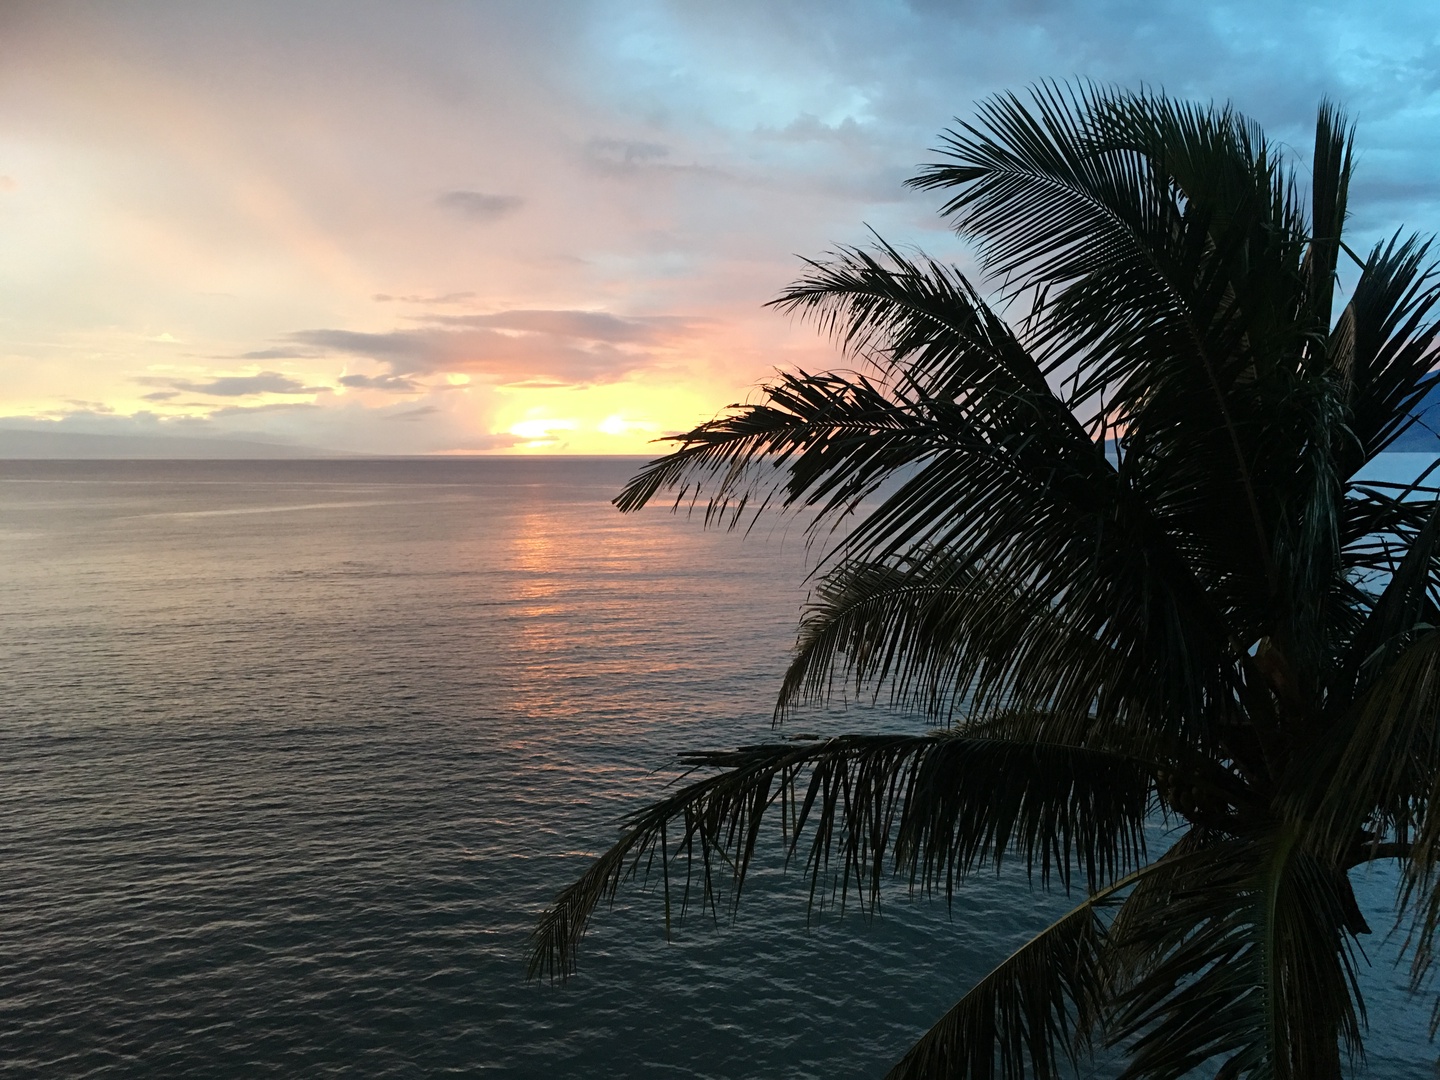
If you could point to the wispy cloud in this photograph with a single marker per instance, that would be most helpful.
(265, 382)
(506, 359)
(479, 205)
(531, 346)
(254, 410)
(394, 383)
(412, 415)
(583, 325)
(275, 354)
(435, 300)
(636, 157)
(625, 153)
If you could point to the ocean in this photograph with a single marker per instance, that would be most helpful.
(294, 753)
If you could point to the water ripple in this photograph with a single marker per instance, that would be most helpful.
(283, 794)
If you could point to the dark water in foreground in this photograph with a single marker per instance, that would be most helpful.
(292, 754)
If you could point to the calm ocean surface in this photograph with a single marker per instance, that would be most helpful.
(292, 755)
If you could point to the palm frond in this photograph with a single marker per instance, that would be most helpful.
(1245, 961)
(1376, 782)
(1404, 607)
(944, 635)
(1029, 1015)
(930, 808)
(1379, 520)
(811, 423)
(1384, 345)
(1043, 1004)
(1329, 198)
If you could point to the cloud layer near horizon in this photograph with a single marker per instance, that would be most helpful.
(493, 217)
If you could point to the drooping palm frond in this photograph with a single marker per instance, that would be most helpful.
(1239, 952)
(930, 808)
(1033, 1012)
(1047, 1001)
(1371, 786)
(918, 625)
(945, 635)
(1372, 780)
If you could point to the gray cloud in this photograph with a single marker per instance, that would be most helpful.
(443, 298)
(396, 383)
(274, 354)
(273, 407)
(586, 325)
(636, 158)
(624, 153)
(1397, 191)
(478, 205)
(809, 128)
(397, 347)
(267, 382)
(161, 395)
(415, 414)
(532, 347)
(498, 357)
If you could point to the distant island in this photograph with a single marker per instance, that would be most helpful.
(29, 444)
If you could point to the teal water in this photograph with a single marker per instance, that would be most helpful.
(292, 754)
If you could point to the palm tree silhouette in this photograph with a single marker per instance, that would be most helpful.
(1122, 550)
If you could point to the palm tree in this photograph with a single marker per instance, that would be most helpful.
(1121, 549)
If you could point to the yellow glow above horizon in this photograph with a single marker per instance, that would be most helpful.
(619, 418)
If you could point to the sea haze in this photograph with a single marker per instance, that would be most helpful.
(293, 754)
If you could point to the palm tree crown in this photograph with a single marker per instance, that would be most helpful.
(1121, 548)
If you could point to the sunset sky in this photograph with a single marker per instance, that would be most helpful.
(545, 226)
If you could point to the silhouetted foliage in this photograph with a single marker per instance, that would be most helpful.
(1120, 548)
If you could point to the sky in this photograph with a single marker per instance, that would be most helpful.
(548, 227)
